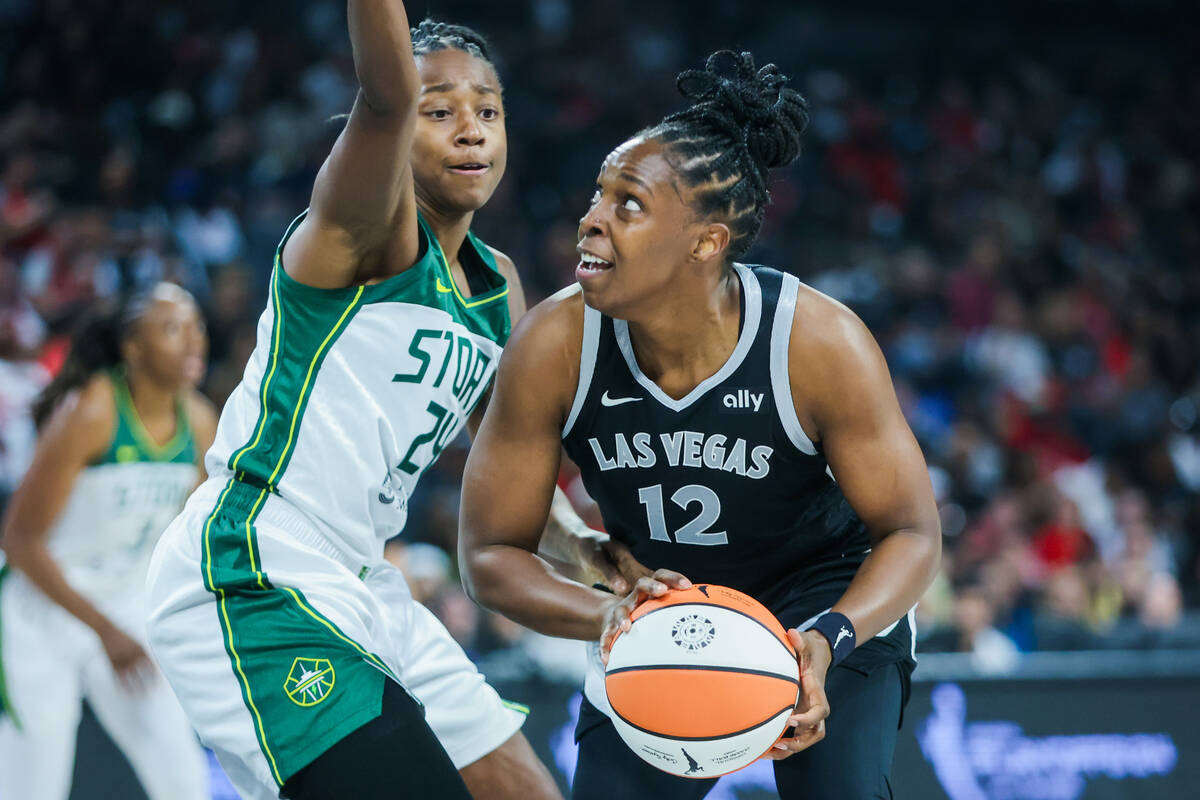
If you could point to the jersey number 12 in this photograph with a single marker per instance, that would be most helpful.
(696, 531)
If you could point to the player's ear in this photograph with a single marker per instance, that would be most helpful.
(712, 241)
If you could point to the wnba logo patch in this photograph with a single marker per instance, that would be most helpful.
(310, 681)
(693, 632)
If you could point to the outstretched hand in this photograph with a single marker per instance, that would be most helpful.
(808, 720)
(616, 617)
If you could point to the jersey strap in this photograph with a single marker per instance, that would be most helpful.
(781, 387)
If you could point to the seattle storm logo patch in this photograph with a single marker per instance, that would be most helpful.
(693, 632)
(310, 681)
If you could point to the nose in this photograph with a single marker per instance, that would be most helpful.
(592, 223)
(469, 133)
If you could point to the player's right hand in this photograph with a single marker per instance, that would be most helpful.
(616, 615)
(129, 660)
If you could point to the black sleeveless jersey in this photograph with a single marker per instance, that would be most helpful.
(722, 485)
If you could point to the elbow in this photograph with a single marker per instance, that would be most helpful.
(479, 574)
(14, 550)
(396, 97)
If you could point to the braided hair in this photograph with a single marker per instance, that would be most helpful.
(95, 345)
(742, 122)
(430, 37)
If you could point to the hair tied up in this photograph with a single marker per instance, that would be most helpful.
(755, 106)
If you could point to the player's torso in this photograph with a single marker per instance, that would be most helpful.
(121, 503)
(713, 485)
(351, 394)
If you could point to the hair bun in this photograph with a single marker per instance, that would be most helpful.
(755, 105)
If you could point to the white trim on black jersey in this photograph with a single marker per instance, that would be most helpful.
(587, 363)
(781, 387)
(753, 294)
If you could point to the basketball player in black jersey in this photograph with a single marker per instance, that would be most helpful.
(734, 426)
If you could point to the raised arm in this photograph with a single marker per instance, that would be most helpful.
(362, 202)
(510, 475)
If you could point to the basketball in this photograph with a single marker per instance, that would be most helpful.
(703, 682)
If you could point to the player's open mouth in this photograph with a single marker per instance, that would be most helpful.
(470, 168)
(591, 264)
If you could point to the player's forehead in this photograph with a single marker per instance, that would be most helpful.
(638, 160)
(454, 70)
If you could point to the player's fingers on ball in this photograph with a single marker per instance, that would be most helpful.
(650, 586)
(672, 578)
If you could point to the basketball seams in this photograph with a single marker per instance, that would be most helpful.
(730, 735)
(704, 668)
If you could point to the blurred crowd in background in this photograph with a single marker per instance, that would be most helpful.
(1010, 205)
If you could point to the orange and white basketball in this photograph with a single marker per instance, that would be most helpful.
(703, 682)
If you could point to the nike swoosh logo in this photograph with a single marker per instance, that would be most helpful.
(441, 287)
(605, 400)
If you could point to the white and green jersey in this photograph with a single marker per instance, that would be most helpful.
(121, 503)
(352, 393)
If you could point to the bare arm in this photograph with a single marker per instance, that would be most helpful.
(509, 482)
(77, 432)
(363, 196)
(567, 542)
(841, 382)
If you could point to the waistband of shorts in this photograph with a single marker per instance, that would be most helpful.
(245, 495)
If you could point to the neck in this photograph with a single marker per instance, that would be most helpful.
(151, 399)
(450, 228)
(690, 335)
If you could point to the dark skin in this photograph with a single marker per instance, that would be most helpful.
(164, 359)
(665, 270)
(428, 133)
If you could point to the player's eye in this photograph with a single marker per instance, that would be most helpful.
(596, 196)
(489, 114)
(438, 113)
(632, 204)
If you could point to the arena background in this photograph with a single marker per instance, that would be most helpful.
(1006, 193)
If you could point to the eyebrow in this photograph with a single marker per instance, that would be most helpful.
(446, 87)
(635, 179)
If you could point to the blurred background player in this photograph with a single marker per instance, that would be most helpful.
(291, 642)
(122, 431)
(732, 424)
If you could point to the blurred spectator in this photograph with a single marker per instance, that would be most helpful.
(1017, 228)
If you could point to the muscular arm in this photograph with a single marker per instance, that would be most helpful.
(843, 393)
(77, 432)
(363, 195)
(509, 482)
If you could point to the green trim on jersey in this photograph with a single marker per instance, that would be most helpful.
(131, 441)
(305, 682)
(6, 706)
(302, 332)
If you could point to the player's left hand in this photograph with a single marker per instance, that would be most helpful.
(813, 653)
(617, 613)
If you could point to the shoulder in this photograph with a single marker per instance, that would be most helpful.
(835, 365)
(504, 264)
(544, 348)
(84, 419)
(202, 415)
(508, 270)
(826, 330)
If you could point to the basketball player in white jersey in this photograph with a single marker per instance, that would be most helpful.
(121, 432)
(296, 650)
